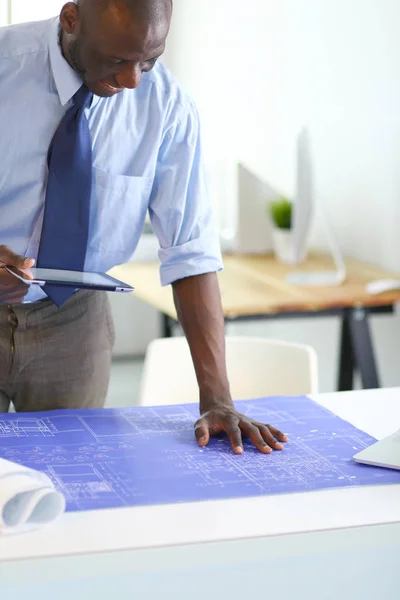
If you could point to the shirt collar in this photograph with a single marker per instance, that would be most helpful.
(66, 80)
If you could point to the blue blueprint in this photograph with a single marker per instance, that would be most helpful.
(139, 456)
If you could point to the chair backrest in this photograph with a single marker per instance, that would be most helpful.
(256, 367)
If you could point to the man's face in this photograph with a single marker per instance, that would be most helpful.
(111, 49)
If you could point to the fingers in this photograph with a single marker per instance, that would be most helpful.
(265, 438)
(277, 434)
(269, 438)
(15, 296)
(257, 436)
(235, 437)
(269, 429)
(10, 258)
(26, 274)
(12, 299)
(12, 291)
(202, 432)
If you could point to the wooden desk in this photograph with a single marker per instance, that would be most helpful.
(254, 287)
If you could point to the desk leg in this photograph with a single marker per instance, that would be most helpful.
(362, 349)
(357, 351)
(346, 366)
(167, 329)
(168, 324)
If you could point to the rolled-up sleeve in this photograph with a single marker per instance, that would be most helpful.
(180, 208)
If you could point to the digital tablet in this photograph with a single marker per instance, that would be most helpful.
(75, 279)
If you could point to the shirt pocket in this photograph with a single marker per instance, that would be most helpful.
(118, 210)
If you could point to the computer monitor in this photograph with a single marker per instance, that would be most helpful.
(254, 231)
(304, 208)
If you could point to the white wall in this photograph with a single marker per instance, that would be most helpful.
(258, 71)
(28, 10)
(4, 16)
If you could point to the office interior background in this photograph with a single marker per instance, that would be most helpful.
(258, 70)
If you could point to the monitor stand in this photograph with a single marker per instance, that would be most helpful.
(323, 278)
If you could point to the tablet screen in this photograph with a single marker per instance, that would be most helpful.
(75, 278)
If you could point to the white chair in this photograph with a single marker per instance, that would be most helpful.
(257, 367)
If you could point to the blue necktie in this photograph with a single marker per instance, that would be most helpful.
(66, 215)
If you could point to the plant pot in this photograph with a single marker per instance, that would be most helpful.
(282, 240)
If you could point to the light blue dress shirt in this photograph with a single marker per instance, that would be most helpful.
(147, 156)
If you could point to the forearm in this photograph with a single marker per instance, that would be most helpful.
(198, 304)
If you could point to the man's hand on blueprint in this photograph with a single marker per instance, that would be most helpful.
(225, 418)
(198, 305)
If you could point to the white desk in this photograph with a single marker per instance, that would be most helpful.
(317, 545)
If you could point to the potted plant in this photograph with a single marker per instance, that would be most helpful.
(281, 212)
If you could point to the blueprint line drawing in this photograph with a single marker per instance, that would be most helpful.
(112, 458)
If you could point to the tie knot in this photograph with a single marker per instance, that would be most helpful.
(83, 97)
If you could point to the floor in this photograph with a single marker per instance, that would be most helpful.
(124, 383)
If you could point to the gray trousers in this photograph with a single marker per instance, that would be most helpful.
(53, 357)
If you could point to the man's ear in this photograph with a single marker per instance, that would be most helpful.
(69, 18)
